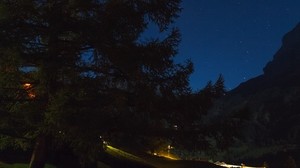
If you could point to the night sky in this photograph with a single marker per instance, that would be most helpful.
(233, 37)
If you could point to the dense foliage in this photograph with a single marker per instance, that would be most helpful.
(72, 70)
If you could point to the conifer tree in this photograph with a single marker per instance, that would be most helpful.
(72, 70)
(219, 87)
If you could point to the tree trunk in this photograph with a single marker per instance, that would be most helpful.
(38, 157)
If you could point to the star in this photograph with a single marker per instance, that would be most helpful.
(247, 35)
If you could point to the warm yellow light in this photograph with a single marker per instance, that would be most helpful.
(27, 86)
(170, 147)
(168, 156)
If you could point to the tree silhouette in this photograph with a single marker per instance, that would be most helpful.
(90, 72)
(219, 87)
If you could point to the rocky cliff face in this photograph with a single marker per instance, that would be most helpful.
(282, 71)
(287, 60)
(267, 108)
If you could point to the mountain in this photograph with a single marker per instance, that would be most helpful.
(265, 111)
(282, 71)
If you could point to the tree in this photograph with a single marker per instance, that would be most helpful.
(190, 111)
(219, 87)
(72, 70)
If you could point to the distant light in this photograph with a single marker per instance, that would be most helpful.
(27, 86)
(31, 95)
(175, 127)
(169, 146)
(223, 164)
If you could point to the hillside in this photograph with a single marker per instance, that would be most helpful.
(264, 112)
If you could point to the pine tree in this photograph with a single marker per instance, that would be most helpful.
(72, 70)
(219, 87)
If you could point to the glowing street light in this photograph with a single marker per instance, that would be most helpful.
(169, 148)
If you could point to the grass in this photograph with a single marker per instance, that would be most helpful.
(122, 154)
(115, 158)
(119, 158)
(20, 165)
(147, 160)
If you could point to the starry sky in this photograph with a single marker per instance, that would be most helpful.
(235, 38)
